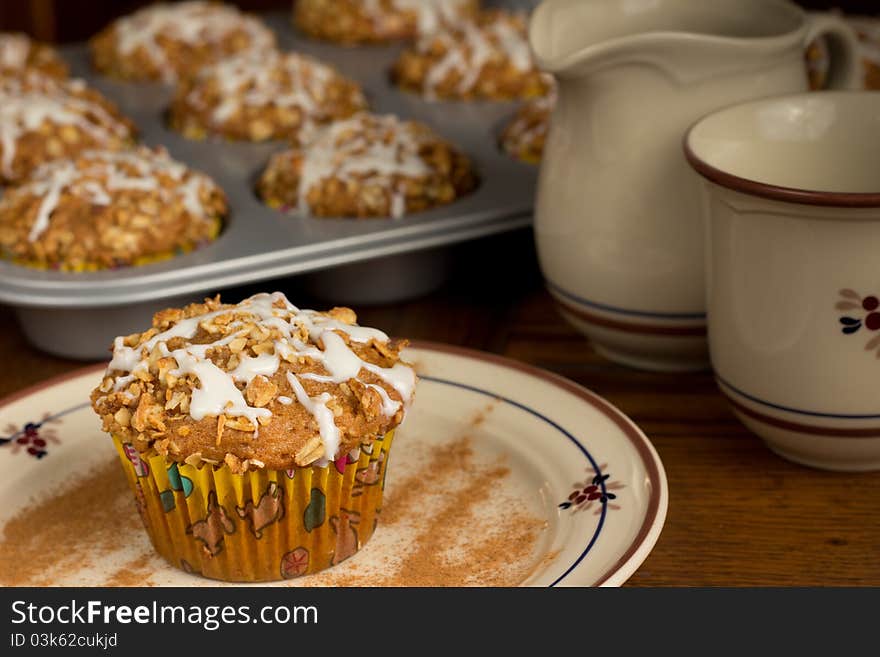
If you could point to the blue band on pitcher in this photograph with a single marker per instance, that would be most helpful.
(624, 311)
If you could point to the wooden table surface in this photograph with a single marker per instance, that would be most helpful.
(738, 514)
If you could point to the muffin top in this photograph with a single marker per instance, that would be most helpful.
(255, 384)
(106, 209)
(166, 41)
(42, 118)
(18, 51)
(868, 31)
(364, 21)
(260, 96)
(525, 134)
(369, 165)
(427, 15)
(485, 58)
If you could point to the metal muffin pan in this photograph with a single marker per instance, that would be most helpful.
(78, 314)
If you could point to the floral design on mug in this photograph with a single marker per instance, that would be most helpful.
(867, 315)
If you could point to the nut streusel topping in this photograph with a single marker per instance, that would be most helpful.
(42, 118)
(167, 41)
(524, 136)
(487, 58)
(257, 96)
(368, 166)
(19, 52)
(376, 21)
(255, 384)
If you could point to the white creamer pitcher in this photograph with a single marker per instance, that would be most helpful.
(618, 220)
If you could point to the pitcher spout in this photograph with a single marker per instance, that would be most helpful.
(571, 37)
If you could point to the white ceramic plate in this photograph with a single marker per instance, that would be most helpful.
(573, 461)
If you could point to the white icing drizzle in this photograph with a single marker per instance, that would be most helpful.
(430, 14)
(400, 377)
(380, 147)
(14, 50)
(340, 361)
(50, 201)
(269, 80)
(252, 366)
(317, 406)
(470, 46)
(26, 104)
(389, 406)
(398, 203)
(191, 23)
(217, 392)
(95, 175)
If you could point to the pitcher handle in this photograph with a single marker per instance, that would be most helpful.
(845, 65)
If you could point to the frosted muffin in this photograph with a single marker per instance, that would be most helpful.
(486, 59)
(377, 21)
(42, 119)
(816, 61)
(256, 96)
(170, 41)
(867, 30)
(105, 209)
(255, 436)
(19, 52)
(368, 166)
(524, 135)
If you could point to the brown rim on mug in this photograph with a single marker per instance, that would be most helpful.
(775, 192)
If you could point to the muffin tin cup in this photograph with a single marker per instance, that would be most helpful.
(259, 243)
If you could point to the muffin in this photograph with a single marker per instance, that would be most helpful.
(18, 51)
(42, 118)
(816, 60)
(485, 59)
(524, 135)
(257, 96)
(104, 209)
(368, 166)
(170, 41)
(255, 436)
(377, 21)
(868, 32)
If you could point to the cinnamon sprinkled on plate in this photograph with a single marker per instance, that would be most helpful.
(453, 521)
(74, 528)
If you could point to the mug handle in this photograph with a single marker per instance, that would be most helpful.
(845, 64)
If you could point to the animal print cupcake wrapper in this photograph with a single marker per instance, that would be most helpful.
(259, 526)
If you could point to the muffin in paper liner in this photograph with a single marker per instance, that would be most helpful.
(264, 524)
(255, 435)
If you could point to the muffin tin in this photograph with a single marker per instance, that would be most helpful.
(77, 315)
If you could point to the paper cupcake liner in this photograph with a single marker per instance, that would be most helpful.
(259, 526)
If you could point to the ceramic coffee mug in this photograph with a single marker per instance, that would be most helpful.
(617, 216)
(792, 198)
